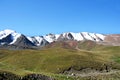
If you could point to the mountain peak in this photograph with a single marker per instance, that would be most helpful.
(6, 32)
(9, 31)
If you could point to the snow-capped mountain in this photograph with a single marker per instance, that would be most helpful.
(11, 37)
(38, 40)
(8, 36)
(81, 36)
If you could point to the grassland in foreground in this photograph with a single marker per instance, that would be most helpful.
(55, 61)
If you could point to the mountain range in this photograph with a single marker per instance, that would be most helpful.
(12, 38)
(66, 56)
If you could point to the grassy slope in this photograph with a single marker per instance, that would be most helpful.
(56, 59)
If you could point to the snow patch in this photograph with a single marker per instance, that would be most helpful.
(39, 39)
(100, 36)
(5, 33)
(15, 36)
(30, 39)
(87, 36)
(77, 36)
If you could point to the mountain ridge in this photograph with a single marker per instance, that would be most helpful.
(11, 37)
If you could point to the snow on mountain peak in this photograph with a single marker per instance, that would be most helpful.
(38, 40)
(51, 37)
(5, 33)
(82, 36)
(77, 36)
(9, 31)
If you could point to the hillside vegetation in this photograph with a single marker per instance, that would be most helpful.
(59, 59)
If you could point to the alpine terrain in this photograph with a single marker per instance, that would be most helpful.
(66, 56)
(12, 38)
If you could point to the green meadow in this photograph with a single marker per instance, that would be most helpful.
(54, 61)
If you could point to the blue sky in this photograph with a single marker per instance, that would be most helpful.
(39, 17)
